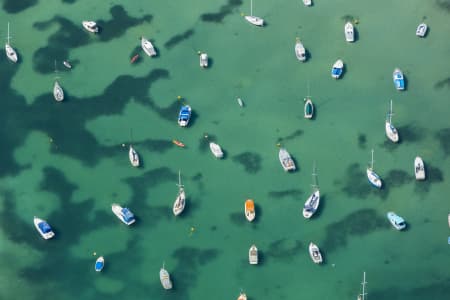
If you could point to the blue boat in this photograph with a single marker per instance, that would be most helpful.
(124, 214)
(44, 229)
(184, 116)
(337, 69)
(399, 80)
(99, 264)
(396, 221)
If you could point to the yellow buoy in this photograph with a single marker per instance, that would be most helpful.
(95, 253)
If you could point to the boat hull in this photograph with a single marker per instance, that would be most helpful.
(315, 254)
(99, 264)
(396, 221)
(134, 157)
(203, 60)
(118, 211)
(311, 204)
(337, 69)
(180, 202)
(300, 51)
(249, 209)
(164, 276)
(253, 255)
(184, 116)
(58, 92)
(43, 228)
(90, 26)
(349, 32)
(11, 54)
(286, 160)
(419, 168)
(257, 21)
(422, 30)
(391, 132)
(148, 47)
(374, 179)
(399, 79)
(308, 109)
(216, 150)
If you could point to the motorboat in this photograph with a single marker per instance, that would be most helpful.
(399, 80)
(180, 201)
(311, 204)
(43, 228)
(419, 168)
(90, 26)
(148, 47)
(349, 32)
(315, 254)
(184, 116)
(133, 156)
(308, 109)
(286, 160)
(391, 131)
(250, 210)
(67, 64)
(421, 30)
(216, 150)
(242, 296)
(253, 19)
(253, 255)
(337, 69)
(300, 51)
(11, 54)
(203, 60)
(373, 177)
(99, 264)
(396, 221)
(164, 276)
(307, 2)
(58, 92)
(124, 214)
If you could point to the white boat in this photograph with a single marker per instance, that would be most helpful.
(10, 52)
(391, 131)
(363, 283)
(253, 19)
(43, 228)
(286, 160)
(419, 168)
(148, 47)
(240, 102)
(133, 156)
(307, 2)
(99, 264)
(67, 64)
(58, 92)
(242, 296)
(396, 221)
(308, 108)
(349, 32)
(421, 30)
(203, 60)
(373, 177)
(300, 51)
(124, 214)
(164, 276)
(312, 203)
(90, 26)
(216, 150)
(249, 209)
(253, 255)
(337, 69)
(315, 254)
(180, 201)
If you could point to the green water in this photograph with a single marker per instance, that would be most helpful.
(65, 162)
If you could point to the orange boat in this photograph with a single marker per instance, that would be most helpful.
(134, 58)
(250, 209)
(178, 143)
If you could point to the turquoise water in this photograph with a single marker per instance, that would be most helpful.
(65, 162)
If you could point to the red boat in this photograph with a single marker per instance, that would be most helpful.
(134, 58)
(178, 143)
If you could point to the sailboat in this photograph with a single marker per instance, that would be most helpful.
(312, 203)
(253, 19)
(58, 92)
(10, 52)
(133, 156)
(164, 276)
(373, 177)
(300, 51)
(363, 283)
(391, 131)
(309, 107)
(180, 201)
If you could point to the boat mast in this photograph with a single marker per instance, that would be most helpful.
(363, 286)
(390, 113)
(314, 177)
(180, 186)
(251, 9)
(371, 164)
(8, 34)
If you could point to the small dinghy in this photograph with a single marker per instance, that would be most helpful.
(99, 264)
(67, 64)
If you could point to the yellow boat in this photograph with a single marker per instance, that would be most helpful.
(250, 210)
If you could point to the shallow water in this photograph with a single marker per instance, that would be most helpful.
(67, 162)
